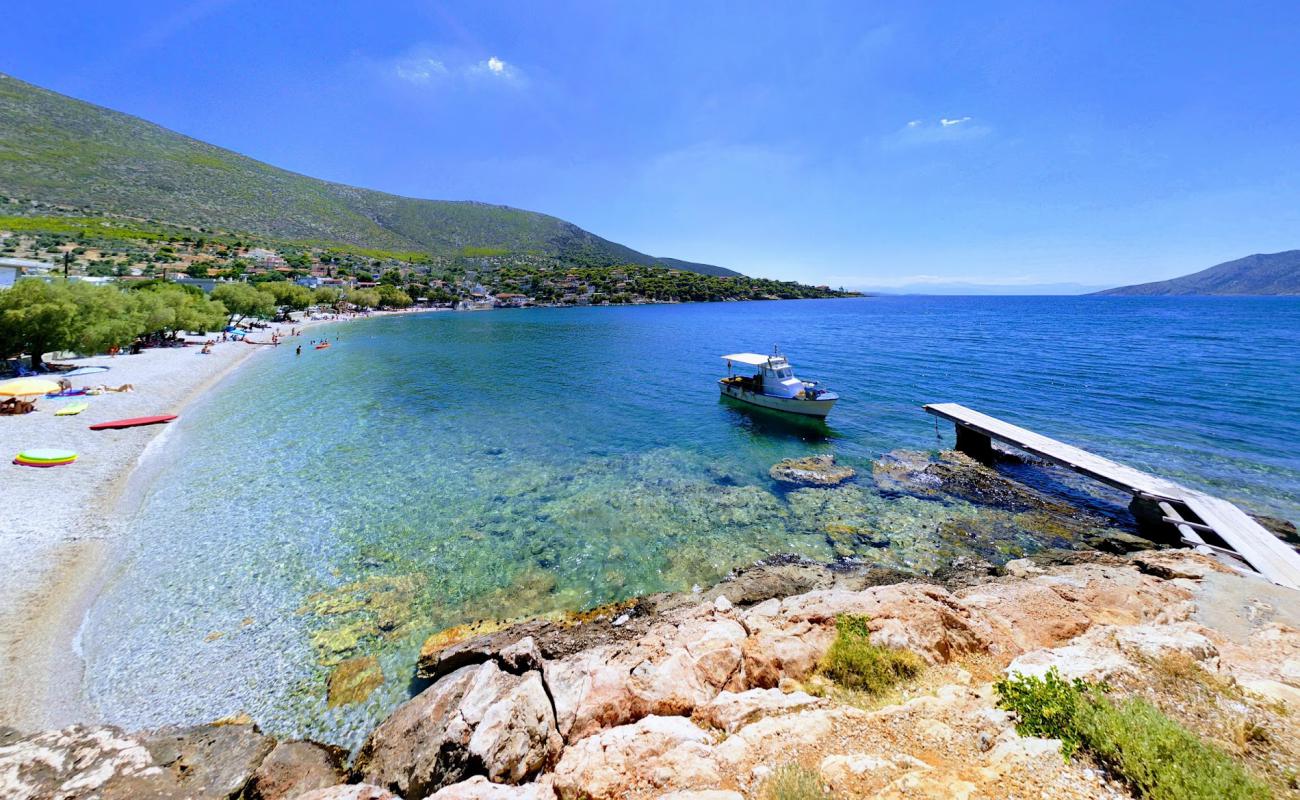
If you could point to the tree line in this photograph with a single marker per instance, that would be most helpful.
(38, 316)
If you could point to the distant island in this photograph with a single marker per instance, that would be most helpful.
(1260, 274)
(94, 193)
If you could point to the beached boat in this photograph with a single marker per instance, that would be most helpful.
(775, 386)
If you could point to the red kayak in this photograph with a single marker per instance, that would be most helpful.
(322, 345)
(133, 422)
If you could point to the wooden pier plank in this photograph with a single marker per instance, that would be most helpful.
(1264, 552)
(1108, 472)
(1261, 549)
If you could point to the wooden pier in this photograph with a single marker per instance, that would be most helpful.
(1207, 523)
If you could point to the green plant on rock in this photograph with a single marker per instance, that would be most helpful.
(794, 782)
(854, 662)
(1158, 757)
(1048, 707)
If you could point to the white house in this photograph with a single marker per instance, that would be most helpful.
(27, 265)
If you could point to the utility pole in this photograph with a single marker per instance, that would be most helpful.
(67, 261)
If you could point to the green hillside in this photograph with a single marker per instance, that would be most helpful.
(1262, 273)
(62, 151)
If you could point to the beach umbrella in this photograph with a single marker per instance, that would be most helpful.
(25, 387)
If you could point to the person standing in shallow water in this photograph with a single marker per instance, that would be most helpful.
(298, 350)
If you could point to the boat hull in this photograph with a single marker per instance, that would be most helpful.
(809, 408)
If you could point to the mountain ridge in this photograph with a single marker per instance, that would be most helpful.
(60, 150)
(1256, 274)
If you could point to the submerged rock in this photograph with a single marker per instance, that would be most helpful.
(374, 608)
(353, 680)
(955, 474)
(818, 470)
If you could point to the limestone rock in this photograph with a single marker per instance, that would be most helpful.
(75, 762)
(925, 619)
(1170, 564)
(674, 668)
(355, 791)
(702, 794)
(668, 753)
(448, 650)
(517, 736)
(1274, 690)
(353, 680)
(1030, 615)
(477, 718)
(422, 746)
(1088, 661)
(730, 711)
(843, 768)
(293, 768)
(1156, 641)
(772, 739)
(811, 471)
(480, 788)
(208, 761)
(772, 578)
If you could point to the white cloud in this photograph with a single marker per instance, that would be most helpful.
(419, 69)
(923, 132)
(494, 67)
(431, 68)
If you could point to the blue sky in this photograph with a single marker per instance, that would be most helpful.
(863, 144)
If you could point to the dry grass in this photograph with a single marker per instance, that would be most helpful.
(795, 782)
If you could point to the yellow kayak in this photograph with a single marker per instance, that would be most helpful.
(72, 409)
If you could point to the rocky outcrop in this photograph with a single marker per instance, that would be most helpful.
(811, 471)
(356, 791)
(209, 761)
(480, 788)
(656, 752)
(479, 719)
(295, 768)
(701, 695)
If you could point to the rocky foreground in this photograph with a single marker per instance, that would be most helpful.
(703, 696)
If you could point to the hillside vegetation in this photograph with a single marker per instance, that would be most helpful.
(65, 152)
(1262, 273)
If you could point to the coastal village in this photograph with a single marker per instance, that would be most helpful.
(103, 251)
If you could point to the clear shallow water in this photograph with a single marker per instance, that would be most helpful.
(432, 469)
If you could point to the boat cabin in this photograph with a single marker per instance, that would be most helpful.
(774, 377)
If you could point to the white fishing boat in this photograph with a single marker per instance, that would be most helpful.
(775, 386)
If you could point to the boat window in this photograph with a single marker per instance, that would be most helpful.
(783, 373)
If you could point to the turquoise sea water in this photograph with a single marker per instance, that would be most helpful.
(432, 469)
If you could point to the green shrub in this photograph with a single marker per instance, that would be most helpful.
(855, 663)
(1048, 707)
(1159, 758)
(793, 782)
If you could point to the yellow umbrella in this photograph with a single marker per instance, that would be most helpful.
(24, 387)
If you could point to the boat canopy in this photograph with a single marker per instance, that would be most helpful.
(752, 359)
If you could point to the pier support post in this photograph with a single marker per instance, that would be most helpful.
(975, 444)
(1151, 520)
